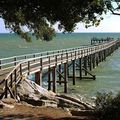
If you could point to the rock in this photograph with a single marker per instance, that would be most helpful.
(49, 103)
(82, 112)
(2, 105)
(9, 100)
(31, 89)
(69, 104)
(68, 111)
(34, 94)
(75, 101)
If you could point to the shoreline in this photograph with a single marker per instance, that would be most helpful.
(37, 103)
(24, 111)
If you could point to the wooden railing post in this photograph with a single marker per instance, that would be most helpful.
(61, 57)
(75, 54)
(81, 53)
(11, 84)
(41, 63)
(28, 67)
(15, 76)
(55, 60)
(66, 57)
(21, 69)
(6, 88)
(0, 64)
(34, 57)
(71, 55)
(11, 80)
(15, 59)
(25, 57)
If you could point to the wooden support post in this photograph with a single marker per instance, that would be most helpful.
(99, 56)
(108, 51)
(38, 78)
(85, 64)
(49, 79)
(54, 78)
(59, 68)
(49, 76)
(104, 54)
(73, 72)
(65, 77)
(91, 42)
(97, 59)
(80, 65)
(90, 63)
(93, 60)
(68, 70)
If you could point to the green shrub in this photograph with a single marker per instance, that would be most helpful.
(108, 106)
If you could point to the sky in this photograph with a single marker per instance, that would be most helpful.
(110, 23)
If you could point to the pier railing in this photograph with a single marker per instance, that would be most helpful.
(10, 62)
(49, 59)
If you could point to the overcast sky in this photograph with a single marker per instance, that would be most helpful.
(111, 23)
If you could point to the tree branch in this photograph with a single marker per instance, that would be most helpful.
(114, 13)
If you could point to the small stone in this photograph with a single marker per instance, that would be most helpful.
(1, 105)
(9, 101)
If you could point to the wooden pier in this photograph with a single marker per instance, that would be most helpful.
(55, 64)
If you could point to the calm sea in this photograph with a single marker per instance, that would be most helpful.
(107, 73)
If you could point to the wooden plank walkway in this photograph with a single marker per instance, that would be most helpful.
(83, 58)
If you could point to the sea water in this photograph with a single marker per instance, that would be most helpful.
(107, 73)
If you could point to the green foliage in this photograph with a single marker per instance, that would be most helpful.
(39, 16)
(108, 106)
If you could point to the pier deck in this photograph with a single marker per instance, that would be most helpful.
(56, 63)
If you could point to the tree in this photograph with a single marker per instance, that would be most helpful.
(39, 16)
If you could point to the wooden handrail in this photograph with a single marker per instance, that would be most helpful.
(11, 60)
(98, 48)
(16, 59)
(37, 63)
